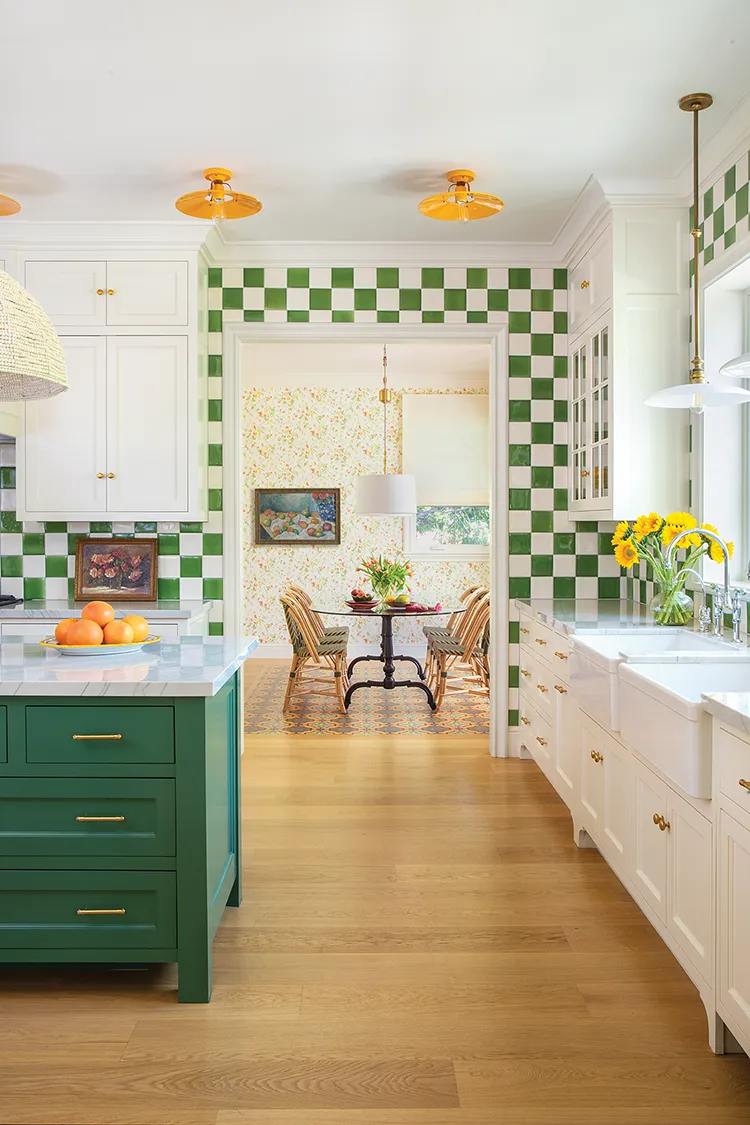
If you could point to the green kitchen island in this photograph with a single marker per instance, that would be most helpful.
(120, 804)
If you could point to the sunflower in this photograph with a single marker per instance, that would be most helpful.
(647, 525)
(621, 531)
(675, 525)
(626, 554)
(716, 553)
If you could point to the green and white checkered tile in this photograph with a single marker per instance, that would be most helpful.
(725, 210)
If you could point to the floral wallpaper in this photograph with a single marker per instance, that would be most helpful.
(325, 437)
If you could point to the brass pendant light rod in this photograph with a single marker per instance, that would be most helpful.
(385, 395)
(695, 103)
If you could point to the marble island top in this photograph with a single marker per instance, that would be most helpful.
(732, 707)
(67, 607)
(192, 666)
(572, 615)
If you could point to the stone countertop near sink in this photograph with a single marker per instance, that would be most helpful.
(192, 666)
(576, 615)
(67, 607)
(732, 707)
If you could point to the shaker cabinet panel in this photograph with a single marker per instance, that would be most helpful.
(650, 840)
(690, 919)
(734, 919)
(141, 294)
(73, 294)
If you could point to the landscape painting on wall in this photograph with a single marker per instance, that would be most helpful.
(116, 570)
(293, 516)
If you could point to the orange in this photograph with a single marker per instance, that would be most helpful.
(84, 632)
(61, 632)
(100, 612)
(139, 625)
(118, 633)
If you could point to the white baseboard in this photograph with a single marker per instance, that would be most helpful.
(284, 652)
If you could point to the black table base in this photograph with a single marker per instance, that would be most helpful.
(387, 658)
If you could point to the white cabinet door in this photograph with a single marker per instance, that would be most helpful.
(689, 898)
(147, 426)
(567, 743)
(618, 805)
(62, 458)
(72, 294)
(142, 294)
(650, 841)
(592, 778)
(734, 919)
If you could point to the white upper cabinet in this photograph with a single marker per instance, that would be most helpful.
(116, 293)
(590, 283)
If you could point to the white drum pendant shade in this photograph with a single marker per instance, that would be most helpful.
(32, 363)
(386, 495)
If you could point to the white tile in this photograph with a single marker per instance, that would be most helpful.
(542, 366)
(55, 588)
(342, 299)
(542, 321)
(560, 343)
(191, 543)
(454, 277)
(216, 612)
(542, 277)
(519, 566)
(275, 277)
(387, 299)
(275, 316)
(11, 543)
(410, 316)
(366, 316)
(519, 476)
(123, 528)
(167, 527)
(542, 499)
(519, 521)
(542, 587)
(55, 543)
(564, 566)
(320, 277)
(365, 277)
(730, 211)
(542, 455)
(33, 566)
(8, 499)
(410, 277)
(214, 433)
(33, 526)
(320, 316)
(214, 343)
(476, 300)
(215, 476)
(519, 300)
(587, 588)
(71, 566)
(12, 586)
(541, 543)
(213, 299)
(560, 476)
(497, 277)
(455, 316)
(560, 300)
(494, 316)
(232, 277)
(233, 316)
(169, 566)
(213, 566)
(433, 300)
(8, 453)
(520, 388)
(520, 343)
(519, 433)
(253, 298)
(298, 299)
(191, 589)
(214, 387)
(542, 410)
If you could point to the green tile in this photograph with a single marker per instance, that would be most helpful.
(8, 522)
(7, 477)
(560, 279)
(718, 222)
(560, 323)
(297, 316)
(542, 343)
(542, 476)
(476, 316)
(33, 543)
(213, 589)
(497, 300)
(519, 587)
(186, 528)
(214, 365)
(387, 316)
(168, 588)
(519, 543)
(213, 543)
(231, 298)
(11, 566)
(214, 453)
(342, 316)
(564, 543)
(560, 367)
(215, 500)
(587, 566)
(519, 322)
(542, 388)
(320, 298)
(73, 538)
(387, 278)
(730, 182)
(513, 676)
(513, 719)
(730, 237)
(214, 410)
(541, 566)
(519, 455)
(605, 543)
(214, 277)
(564, 587)
(71, 587)
(298, 278)
(216, 629)
(169, 544)
(708, 202)
(56, 527)
(56, 566)
(432, 278)
(476, 278)
(254, 277)
(410, 299)
(542, 521)
(519, 278)
(708, 254)
(561, 499)
(274, 299)
(542, 300)
(513, 632)
(254, 316)
(542, 433)
(588, 525)
(214, 320)
(519, 366)
(609, 588)
(519, 410)
(191, 566)
(342, 277)
(560, 456)
(519, 499)
(740, 206)
(100, 528)
(34, 589)
(560, 410)
(365, 299)
(433, 316)
(454, 300)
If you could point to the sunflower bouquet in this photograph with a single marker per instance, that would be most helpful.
(647, 540)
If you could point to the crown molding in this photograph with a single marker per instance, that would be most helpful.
(26, 235)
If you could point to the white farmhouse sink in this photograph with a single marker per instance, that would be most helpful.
(662, 716)
(594, 661)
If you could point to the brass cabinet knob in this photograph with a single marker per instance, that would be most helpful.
(526, 722)
(656, 818)
(585, 473)
(524, 672)
(542, 688)
(597, 757)
(540, 642)
(100, 292)
(662, 824)
(110, 476)
(100, 476)
(585, 284)
(745, 784)
(562, 690)
(110, 292)
(541, 741)
(561, 656)
(522, 630)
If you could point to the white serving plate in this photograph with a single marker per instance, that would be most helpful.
(97, 650)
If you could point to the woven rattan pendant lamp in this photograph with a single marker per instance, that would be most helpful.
(32, 363)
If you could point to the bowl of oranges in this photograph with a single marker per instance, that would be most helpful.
(97, 632)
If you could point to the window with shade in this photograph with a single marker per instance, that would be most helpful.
(446, 447)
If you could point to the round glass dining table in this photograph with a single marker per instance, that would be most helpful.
(387, 656)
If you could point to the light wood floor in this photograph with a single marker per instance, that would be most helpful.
(420, 944)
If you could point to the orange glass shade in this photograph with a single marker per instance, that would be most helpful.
(8, 206)
(460, 203)
(220, 201)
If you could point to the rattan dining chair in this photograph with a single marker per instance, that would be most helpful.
(321, 629)
(456, 625)
(324, 654)
(459, 654)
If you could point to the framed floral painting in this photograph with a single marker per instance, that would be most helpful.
(121, 570)
(297, 516)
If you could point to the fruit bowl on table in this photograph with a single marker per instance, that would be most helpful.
(360, 603)
(97, 650)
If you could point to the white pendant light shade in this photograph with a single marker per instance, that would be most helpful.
(737, 368)
(697, 397)
(386, 494)
(32, 363)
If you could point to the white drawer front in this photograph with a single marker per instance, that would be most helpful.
(733, 768)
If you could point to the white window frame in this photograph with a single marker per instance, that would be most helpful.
(452, 553)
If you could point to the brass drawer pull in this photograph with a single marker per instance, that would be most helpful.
(90, 819)
(110, 292)
(597, 757)
(542, 688)
(539, 642)
(745, 784)
(561, 656)
(541, 741)
(522, 630)
(526, 722)
(100, 292)
(97, 737)
(585, 473)
(116, 910)
(585, 284)
(662, 824)
(524, 672)
(562, 690)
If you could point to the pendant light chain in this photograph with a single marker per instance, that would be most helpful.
(385, 397)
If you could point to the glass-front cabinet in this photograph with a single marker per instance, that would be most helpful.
(590, 419)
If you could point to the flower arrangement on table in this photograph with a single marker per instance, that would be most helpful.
(648, 538)
(387, 576)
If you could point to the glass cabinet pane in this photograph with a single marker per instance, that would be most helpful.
(584, 370)
(604, 453)
(605, 412)
(576, 477)
(576, 380)
(604, 362)
(595, 366)
(585, 477)
(576, 425)
(595, 416)
(595, 478)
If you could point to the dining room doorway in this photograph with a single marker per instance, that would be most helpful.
(307, 420)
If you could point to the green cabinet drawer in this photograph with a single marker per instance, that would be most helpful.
(69, 816)
(99, 735)
(3, 734)
(88, 910)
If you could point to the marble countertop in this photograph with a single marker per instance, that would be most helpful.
(66, 607)
(732, 707)
(192, 666)
(573, 615)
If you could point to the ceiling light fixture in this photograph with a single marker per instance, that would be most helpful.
(385, 494)
(9, 206)
(737, 368)
(697, 394)
(32, 363)
(460, 203)
(220, 202)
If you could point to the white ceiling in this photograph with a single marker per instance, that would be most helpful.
(341, 114)
(296, 363)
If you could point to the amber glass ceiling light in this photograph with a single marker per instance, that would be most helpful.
(461, 204)
(8, 206)
(220, 201)
(697, 394)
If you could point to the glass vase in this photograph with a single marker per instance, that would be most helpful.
(671, 606)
